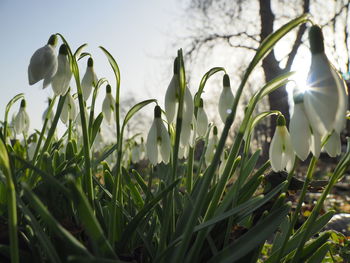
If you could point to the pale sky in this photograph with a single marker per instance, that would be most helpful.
(137, 33)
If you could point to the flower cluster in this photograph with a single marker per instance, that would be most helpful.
(319, 113)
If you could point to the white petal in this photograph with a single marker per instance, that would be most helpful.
(152, 144)
(321, 100)
(340, 119)
(225, 103)
(87, 82)
(300, 132)
(108, 107)
(188, 107)
(171, 100)
(209, 153)
(165, 145)
(61, 80)
(43, 65)
(276, 152)
(333, 145)
(202, 122)
(316, 144)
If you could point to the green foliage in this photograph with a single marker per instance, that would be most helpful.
(77, 203)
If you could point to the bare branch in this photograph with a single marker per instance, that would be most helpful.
(298, 39)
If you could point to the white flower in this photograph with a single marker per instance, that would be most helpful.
(212, 143)
(172, 96)
(202, 120)
(136, 153)
(226, 99)
(108, 105)
(281, 152)
(326, 99)
(43, 63)
(158, 141)
(89, 80)
(69, 110)
(300, 132)
(60, 82)
(333, 145)
(21, 121)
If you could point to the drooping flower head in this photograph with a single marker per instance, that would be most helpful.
(108, 105)
(69, 110)
(43, 63)
(158, 142)
(89, 80)
(281, 151)
(202, 119)
(304, 138)
(21, 121)
(172, 97)
(226, 99)
(326, 99)
(212, 144)
(60, 82)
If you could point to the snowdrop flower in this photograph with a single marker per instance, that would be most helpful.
(226, 99)
(158, 141)
(43, 63)
(281, 152)
(69, 110)
(299, 127)
(89, 80)
(202, 120)
(21, 121)
(60, 82)
(136, 153)
(108, 105)
(326, 99)
(212, 143)
(172, 96)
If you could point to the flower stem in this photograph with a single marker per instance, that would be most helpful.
(309, 175)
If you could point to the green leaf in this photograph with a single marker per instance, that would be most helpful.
(204, 80)
(135, 194)
(249, 165)
(253, 238)
(44, 239)
(86, 215)
(295, 239)
(79, 50)
(53, 225)
(131, 227)
(113, 64)
(96, 126)
(319, 255)
(314, 245)
(135, 109)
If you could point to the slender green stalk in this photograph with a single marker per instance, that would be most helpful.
(86, 145)
(11, 203)
(7, 110)
(34, 176)
(189, 177)
(43, 130)
(69, 130)
(308, 179)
